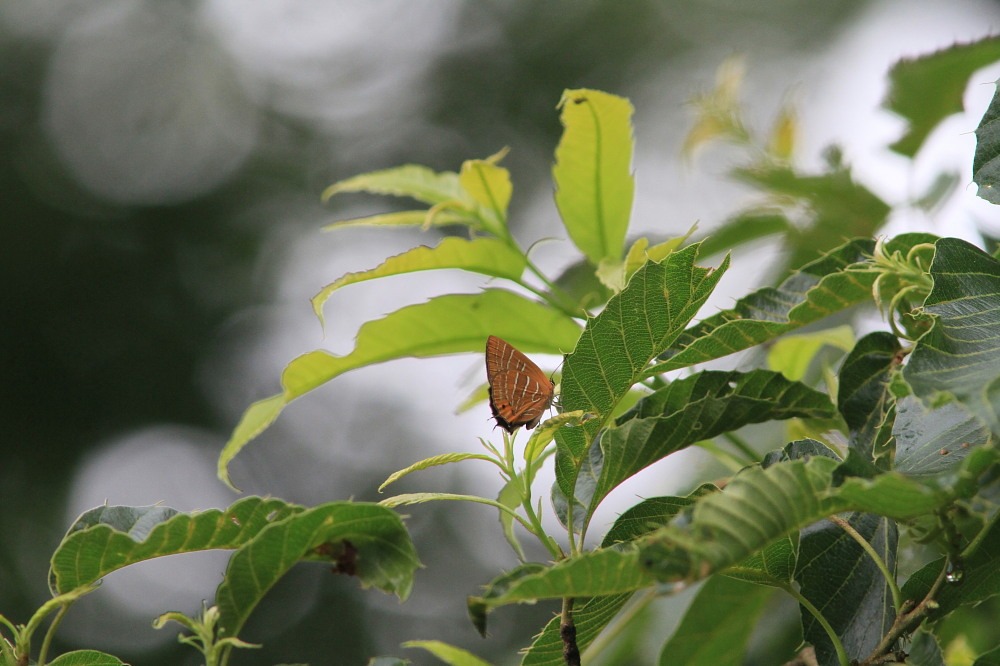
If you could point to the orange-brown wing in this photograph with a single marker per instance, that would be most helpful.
(519, 390)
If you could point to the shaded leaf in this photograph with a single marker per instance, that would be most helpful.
(689, 410)
(980, 576)
(595, 573)
(928, 89)
(931, 441)
(384, 555)
(819, 289)
(717, 625)
(86, 658)
(959, 357)
(590, 616)
(986, 161)
(863, 397)
(593, 172)
(109, 538)
(844, 584)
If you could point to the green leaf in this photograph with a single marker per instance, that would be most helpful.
(593, 177)
(487, 256)
(863, 397)
(833, 207)
(411, 180)
(433, 461)
(594, 573)
(991, 658)
(978, 583)
(925, 651)
(618, 344)
(793, 354)
(449, 654)
(443, 325)
(959, 357)
(819, 289)
(435, 217)
(773, 565)
(761, 505)
(985, 162)
(932, 441)
(384, 555)
(842, 581)
(109, 538)
(688, 410)
(489, 186)
(717, 625)
(592, 615)
(744, 228)
(86, 658)
(928, 89)
(757, 507)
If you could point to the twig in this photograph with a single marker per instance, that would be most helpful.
(567, 631)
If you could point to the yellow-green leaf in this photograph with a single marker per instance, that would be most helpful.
(594, 183)
(488, 256)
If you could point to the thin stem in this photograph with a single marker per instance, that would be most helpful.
(890, 579)
(620, 623)
(908, 616)
(50, 634)
(834, 638)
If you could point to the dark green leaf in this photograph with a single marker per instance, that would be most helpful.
(820, 288)
(373, 537)
(618, 344)
(959, 357)
(590, 616)
(924, 650)
(689, 410)
(863, 397)
(717, 624)
(845, 585)
(986, 162)
(108, 538)
(980, 576)
(928, 89)
(744, 228)
(603, 572)
(931, 441)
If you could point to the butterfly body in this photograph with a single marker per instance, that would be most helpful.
(519, 391)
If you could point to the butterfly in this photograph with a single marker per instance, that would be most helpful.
(519, 391)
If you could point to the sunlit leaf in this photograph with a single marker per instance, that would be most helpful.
(411, 180)
(449, 654)
(433, 461)
(443, 325)
(488, 256)
(435, 217)
(617, 345)
(593, 172)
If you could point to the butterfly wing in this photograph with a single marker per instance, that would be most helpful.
(519, 391)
